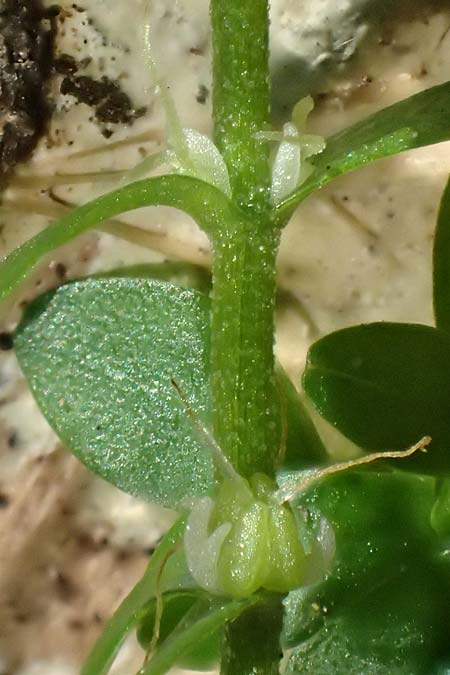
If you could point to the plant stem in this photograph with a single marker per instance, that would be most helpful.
(242, 329)
(241, 96)
(245, 410)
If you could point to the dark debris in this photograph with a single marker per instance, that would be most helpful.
(26, 52)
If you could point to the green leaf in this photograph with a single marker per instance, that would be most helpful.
(417, 121)
(203, 202)
(387, 631)
(441, 264)
(128, 613)
(203, 654)
(384, 605)
(205, 618)
(100, 356)
(386, 386)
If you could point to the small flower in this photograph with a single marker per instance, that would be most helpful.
(290, 167)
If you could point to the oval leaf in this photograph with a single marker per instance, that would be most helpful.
(385, 386)
(100, 356)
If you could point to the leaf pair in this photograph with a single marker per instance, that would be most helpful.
(417, 121)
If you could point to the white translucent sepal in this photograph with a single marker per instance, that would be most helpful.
(203, 549)
(204, 161)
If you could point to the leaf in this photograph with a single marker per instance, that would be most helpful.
(127, 615)
(100, 356)
(203, 620)
(417, 121)
(384, 605)
(385, 386)
(382, 633)
(380, 522)
(441, 264)
(203, 202)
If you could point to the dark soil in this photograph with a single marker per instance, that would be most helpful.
(105, 96)
(26, 55)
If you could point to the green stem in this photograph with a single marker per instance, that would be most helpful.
(243, 386)
(241, 96)
(255, 641)
(245, 408)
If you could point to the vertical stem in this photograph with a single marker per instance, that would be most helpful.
(243, 390)
(243, 381)
(241, 96)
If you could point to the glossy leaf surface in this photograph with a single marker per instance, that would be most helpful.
(100, 356)
(417, 121)
(385, 386)
(384, 607)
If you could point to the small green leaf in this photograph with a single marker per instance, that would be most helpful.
(100, 356)
(386, 386)
(441, 264)
(205, 618)
(127, 615)
(417, 121)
